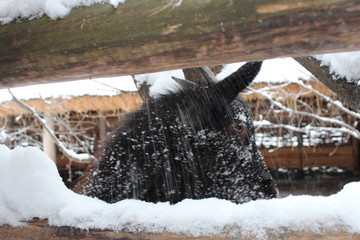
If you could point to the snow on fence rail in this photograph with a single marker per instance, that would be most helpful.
(30, 188)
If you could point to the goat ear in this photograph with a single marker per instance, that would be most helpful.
(185, 84)
(232, 85)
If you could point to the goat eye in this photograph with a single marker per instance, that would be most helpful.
(239, 127)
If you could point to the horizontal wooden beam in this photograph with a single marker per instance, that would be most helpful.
(41, 230)
(142, 36)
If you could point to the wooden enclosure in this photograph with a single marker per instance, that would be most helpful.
(345, 156)
(143, 36)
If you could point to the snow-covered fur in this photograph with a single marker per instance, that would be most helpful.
(195, 143)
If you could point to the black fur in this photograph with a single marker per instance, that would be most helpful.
(196, 143)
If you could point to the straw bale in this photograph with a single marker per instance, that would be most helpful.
(124, 101)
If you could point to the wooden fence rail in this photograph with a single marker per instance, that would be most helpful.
(345, 156)
(40, 230)
(142, 36)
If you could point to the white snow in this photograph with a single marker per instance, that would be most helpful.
(97, 87)
(276, 70)
(178, 3)
(273, 71)
(342, 65)
(161, 82)
(29, 9)
(31, 187)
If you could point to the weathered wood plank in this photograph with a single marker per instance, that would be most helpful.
(143, 36)
(347, 91)
(288, 157)
(40, 230)
(283, 157)
(327, 156)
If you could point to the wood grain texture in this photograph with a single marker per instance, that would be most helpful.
(40, 230)
(144, 36)
(347, 91)
(328, 156)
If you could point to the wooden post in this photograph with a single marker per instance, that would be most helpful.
(9, 124)
(356, 154)
(102, 128)
(302, 156)
(49, 146)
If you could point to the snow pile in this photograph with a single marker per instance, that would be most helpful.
(342, 65)
(31, 187)
(30, 9)
(160, 82)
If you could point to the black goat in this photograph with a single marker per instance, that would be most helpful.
(195, 143)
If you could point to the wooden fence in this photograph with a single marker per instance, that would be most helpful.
(345, 156)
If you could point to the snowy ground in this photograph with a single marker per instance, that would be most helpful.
(31, 187)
